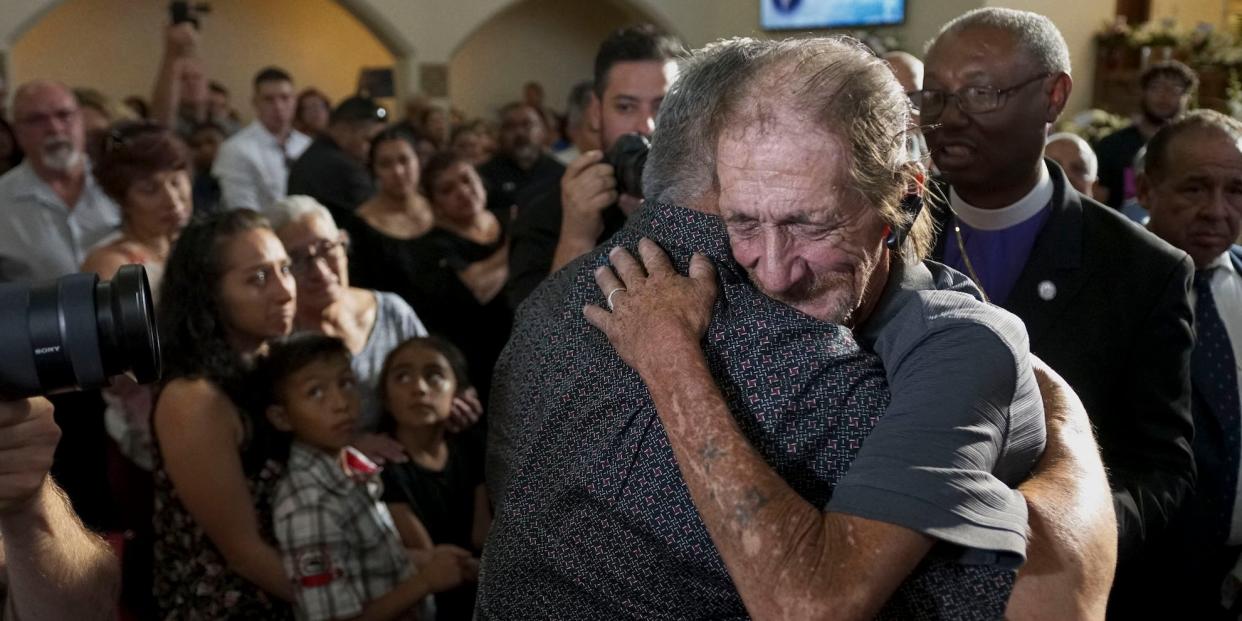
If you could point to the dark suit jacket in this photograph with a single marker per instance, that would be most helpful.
(1187, 566)
(1118, 329)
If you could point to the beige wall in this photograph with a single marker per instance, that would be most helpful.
(322, 43)
(551, 41)
(1189, 13)
(114, 45)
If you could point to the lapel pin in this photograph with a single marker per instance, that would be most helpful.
(1047, 291)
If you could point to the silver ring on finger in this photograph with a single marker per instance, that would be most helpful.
(612, 293)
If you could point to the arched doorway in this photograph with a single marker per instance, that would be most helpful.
(115, 47)
(549, 41)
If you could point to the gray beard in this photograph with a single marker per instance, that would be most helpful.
(61, 156)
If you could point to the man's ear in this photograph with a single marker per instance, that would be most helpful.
(1062, 85)
(279, 418)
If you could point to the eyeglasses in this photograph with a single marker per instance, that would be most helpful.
(302, 261)
(970, 100)
(63, 115)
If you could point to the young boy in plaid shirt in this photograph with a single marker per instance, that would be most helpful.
(340, 548)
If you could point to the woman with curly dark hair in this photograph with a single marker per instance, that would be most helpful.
(227, 290)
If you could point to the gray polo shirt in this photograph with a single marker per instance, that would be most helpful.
(965, 424)
(40, 237)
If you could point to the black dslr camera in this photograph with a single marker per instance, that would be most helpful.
(182, 11)
(76, 333)
(628, 155)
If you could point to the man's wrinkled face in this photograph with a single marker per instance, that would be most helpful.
(1196, 200)
(48, 125)
(802, 234)
(999, 146)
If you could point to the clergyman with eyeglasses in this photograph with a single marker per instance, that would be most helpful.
(53, 210)
(1104, 302)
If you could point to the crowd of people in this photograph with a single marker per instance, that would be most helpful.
(862, 345)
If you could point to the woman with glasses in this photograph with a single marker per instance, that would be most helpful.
(371, 323)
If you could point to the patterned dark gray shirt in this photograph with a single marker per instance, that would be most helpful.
(593, 517)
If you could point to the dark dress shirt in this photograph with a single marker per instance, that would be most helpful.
(330, 176)
(506, 181)
(593, 519)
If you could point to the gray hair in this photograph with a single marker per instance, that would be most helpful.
(1088, 154)
(681, 166)
(1035, 33)
(834, 81)
(293, 208)
(579, 99)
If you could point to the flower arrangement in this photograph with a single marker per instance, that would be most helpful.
(1158, 34)
(1094, 124)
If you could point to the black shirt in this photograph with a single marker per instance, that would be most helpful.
(1116, 153)
(480, 330)
(330, 176)
(505, 181)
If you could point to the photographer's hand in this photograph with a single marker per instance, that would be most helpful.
(57, 569)
(587, 189)
(28, 437)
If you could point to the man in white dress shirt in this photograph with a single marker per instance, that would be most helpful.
(253, 165)
(1192, 185)
(51, 209)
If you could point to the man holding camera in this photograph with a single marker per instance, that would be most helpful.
(633, 70)
(53, 567)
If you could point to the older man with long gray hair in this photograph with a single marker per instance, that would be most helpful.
(611, 504)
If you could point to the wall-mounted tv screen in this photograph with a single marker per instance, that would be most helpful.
(804, 14)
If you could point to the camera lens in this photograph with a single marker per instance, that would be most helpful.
(628, 155)
(76, 332)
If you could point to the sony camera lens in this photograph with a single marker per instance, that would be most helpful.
(76, 333)
(628, 155)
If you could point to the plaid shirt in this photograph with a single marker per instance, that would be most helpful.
(339, 544)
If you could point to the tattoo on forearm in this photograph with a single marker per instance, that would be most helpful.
(753, 500)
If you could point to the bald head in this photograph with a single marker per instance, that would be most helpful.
(1076, 158)
(908, 69)
(48, 125)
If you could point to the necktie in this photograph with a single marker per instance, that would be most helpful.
(1215, 372)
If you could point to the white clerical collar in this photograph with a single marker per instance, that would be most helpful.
(1005, 217)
